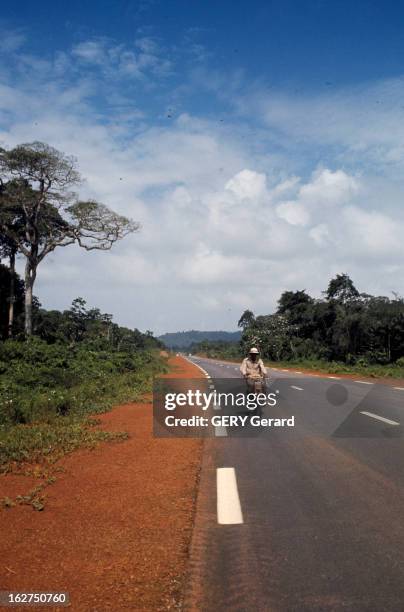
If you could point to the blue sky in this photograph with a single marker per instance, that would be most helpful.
(289, 43)
(258, 143)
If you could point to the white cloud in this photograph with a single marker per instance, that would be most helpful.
(222, 229)
(247, 184)
(329, 188)
(320, 234)
(325, 189)
(372, 233)
(139, 61)
(92, 51)
(360, 125)
(293, 212)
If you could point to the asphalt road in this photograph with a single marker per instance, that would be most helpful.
(305, 518)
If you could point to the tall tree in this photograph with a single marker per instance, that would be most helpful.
(246, 320)
(8, 246)
(8, 250)
(8, 284)
(43, 178)
(341, 289)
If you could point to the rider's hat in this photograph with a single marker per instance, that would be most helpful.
(254, 351)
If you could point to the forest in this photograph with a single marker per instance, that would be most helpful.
(343, 327)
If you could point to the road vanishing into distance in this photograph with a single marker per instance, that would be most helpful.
(309, 517)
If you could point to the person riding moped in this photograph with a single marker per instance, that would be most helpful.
(254, 371)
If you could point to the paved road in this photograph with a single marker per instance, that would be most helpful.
(306, 520)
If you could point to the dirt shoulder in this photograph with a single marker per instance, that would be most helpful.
(117, 522)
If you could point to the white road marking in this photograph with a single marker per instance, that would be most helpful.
(334, 377)
(198, 366)
(379, 418)
(228, 500)
(282, 370)
(364, 382)
(220, 431)
(298, 372)
(297, 388)
(399, 388)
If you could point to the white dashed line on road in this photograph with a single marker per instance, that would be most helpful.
(228, 500)
(334, 377)
(399, 388)
(379, 418)
(297, 388)
(220, 431)
(198, 366)
(364, 382)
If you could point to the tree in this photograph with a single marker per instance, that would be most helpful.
(297, 306)
(8, 250)
(246, 320)
(290, 300)
(51, 214)
(8, 246)
(270, 333)
(11, 294)
(341, 289)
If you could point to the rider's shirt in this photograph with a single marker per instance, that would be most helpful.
(252, 368)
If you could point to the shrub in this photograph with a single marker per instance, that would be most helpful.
(52, 386)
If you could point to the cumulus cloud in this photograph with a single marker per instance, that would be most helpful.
(325, 190)
(247, 184)
(329, 188)
(294, 213)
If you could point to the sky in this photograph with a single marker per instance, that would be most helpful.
(259, 144)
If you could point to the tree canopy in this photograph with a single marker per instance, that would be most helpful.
(39, 211)
(345, 325)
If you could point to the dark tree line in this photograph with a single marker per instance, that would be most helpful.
(82, 324)
(345, 325)
(73, 326)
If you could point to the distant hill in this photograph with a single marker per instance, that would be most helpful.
(182, 340)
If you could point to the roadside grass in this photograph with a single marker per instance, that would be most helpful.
(393, 370)
(47, 442)
(48, 394)
(334, 367)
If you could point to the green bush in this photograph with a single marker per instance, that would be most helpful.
(48, 387)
